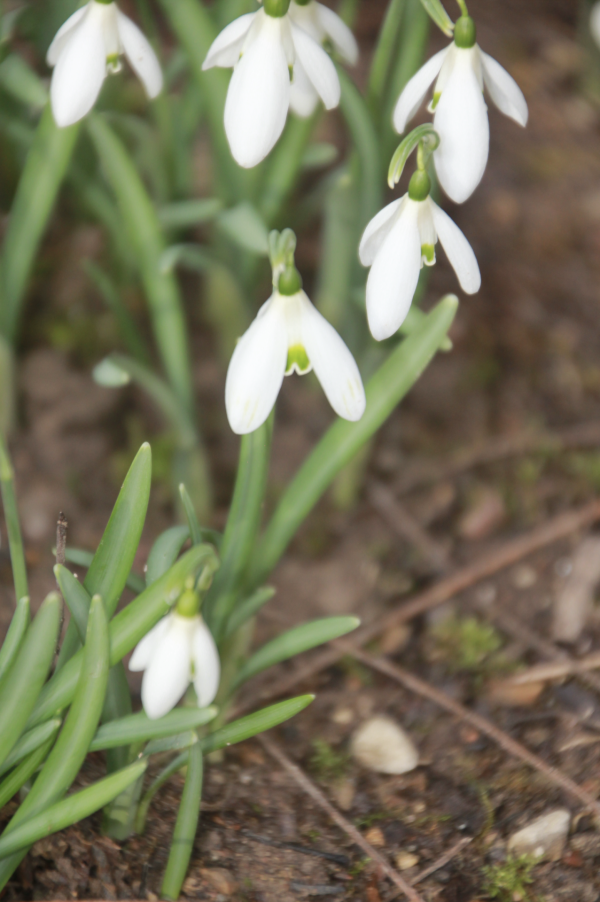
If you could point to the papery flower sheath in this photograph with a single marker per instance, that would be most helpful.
(460, 112)
(289, 334)
(176, 652)
(268, 53)
(87, 47)
(396, 244)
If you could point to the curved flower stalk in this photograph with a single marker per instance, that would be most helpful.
(277, 60)
(396, 244)
(288, 335)
(88, 47)
(178, 651)
(461, 118)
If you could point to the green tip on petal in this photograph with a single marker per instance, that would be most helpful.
(419, 185)
(428, 254)
(465, 33)
(297, 360)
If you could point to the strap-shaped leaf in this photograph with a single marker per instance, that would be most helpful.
(31, 741)
(247, 608)
(405, 148)
(165, 551)
(255, 723)
(14, 636)
(139, 728)
(185, 827)
(438, 14)
(185, 213)
(294, 642)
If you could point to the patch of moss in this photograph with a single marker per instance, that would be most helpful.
(326, 763)
(509, 880)
(465, 642)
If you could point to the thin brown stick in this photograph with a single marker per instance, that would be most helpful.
(487, 565)
(349, 829)
(442, 861)
(582, 435)
(555, 670)
(62, 525)
(506, 742)
(407, 527)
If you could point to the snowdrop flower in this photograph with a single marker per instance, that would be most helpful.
(461, 119)
(178, 651)
(595, 22)
(267, 50)
(323, 25)
(288, 335)
(396, 244)
(86, 48)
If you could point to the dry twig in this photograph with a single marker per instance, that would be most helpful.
(349, 829)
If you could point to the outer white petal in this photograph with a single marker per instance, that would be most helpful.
(318, 67)
(144, 650)
(415, 90)
(504, 90)
(462, 123)
(394, 275)
(226, 48)
(303, 97)
(333, 363)
(207, 667)
(338, 32)
(63, 35)
(256, 370)
(79, 72)
(170, 671)
(140, 54)
(259, 96)
(595, 22)
(458, 250)
(377, 231)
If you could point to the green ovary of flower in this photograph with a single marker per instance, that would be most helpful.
(465, 33)
(188, 604)
(277, 8)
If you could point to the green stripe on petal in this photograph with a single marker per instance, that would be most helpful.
(428, 254)
(297, 360)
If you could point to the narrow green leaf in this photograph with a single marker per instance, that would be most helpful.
(247, 608)
(126, 628)
(117, 705)
(31, 741)
(82, 558)
(185, 827)
(166, 773)
(343, 440)
(70, 810)
(284, 165)
(13, 527)
(21, 686)
(20, 81)
(111, 295)
(171, 743)
(319, 155)
(438, 14)
(186, 213)
(165, 551)
(366, 142)
(23, 772)
(45, 168)
(294, 642)
(190, 256)
(198, 534)
(255, 723)
(139, 728)
(245, 227)
(76, 598)
(384, 52)
(15, 635)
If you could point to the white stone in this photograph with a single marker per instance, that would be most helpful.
(381, 745)
(544, 837)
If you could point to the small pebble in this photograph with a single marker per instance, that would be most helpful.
(343, 716)
(375, 836)
(406, 860)
(544, 837)
(485, 514)
(382, 746)
(523, 577)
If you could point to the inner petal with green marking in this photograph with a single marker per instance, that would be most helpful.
(428, 254)
(297, 360)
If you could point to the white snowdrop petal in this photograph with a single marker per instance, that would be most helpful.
(79, 73)
(333, 363)
(207, 667)
(458, 250)
(462, 123)
(64, 34)
(142, 653)
(303, 97)
(415, 90)
(256, 370)
(258, 97)
(595, 22)
(140, 54)
(318, 67)
(394, 275)
(226, 48)
(170, 671)
(377, 231)
(338, 32)
(504, 90)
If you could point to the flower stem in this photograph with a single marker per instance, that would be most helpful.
(185, 826)
(15, 540)
(463, 7)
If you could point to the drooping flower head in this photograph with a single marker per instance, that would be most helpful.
(88, 47)
(277, 60)
(397, 242)
(178, 651)
(460, 113)
(289, 335)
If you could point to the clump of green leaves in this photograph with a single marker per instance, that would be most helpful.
(327, 763)
(508, 881)
(465, 643)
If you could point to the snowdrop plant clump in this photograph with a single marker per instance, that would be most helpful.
(277, 61)
(87, 47)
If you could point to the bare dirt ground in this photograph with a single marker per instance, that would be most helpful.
(500, 436)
